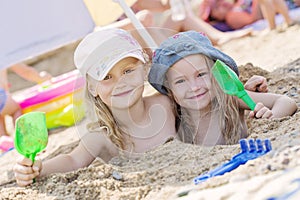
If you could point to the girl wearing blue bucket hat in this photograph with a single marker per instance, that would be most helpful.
(181, 69)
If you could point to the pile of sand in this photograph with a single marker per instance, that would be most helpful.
(167, 172)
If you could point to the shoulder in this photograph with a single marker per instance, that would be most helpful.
(98, 136)
(161, 105)
(158, 99)
(97, 143)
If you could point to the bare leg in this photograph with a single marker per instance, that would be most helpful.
(268, 11)
(144, 16)
(192, 22)
(282, 8)
(256, 13)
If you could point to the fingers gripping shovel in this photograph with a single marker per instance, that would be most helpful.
(31, 134)
(230, 83)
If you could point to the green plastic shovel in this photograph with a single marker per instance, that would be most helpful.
(31, 135)
(230, 83)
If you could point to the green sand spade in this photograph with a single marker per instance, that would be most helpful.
(230, 83)
(31, 134)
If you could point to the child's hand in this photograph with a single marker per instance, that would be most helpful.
(26, 171)
(261, 111)
(257, 84)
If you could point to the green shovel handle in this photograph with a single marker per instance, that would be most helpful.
(32, 157)
(247, 99)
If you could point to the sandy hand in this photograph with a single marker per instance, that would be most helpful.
(25, 171)
(261, 111)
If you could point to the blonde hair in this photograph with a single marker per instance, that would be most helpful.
(229, 114)
(105, 117)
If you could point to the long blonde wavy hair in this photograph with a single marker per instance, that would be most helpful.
(105, 117)
(229, 114)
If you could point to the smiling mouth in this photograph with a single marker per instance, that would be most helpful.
(197, 96)
(122, 93)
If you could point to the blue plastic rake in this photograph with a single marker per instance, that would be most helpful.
(250, 150)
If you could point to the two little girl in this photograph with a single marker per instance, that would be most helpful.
(116, 67)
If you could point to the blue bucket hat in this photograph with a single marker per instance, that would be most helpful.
(179, 46)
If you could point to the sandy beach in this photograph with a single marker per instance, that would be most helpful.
(167, 172)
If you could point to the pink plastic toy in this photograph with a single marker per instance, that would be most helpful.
(55, 98)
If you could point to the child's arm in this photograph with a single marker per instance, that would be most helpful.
(26, 171)
(90, 146)
(11, 106)
(279, 105)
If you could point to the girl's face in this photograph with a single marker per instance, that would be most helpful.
(124, 84)
(190, 82)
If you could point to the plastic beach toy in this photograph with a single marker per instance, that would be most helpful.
(230, 83)
(62, 99)
(250, 150)
(31, 135)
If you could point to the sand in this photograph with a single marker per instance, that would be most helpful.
(167, 172)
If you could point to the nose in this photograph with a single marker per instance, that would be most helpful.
(120, 83)
(194, 85)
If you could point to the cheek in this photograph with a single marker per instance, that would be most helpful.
(178, 100)
(104, 91)
(178, 94)
(211, 88)
(207, 81)
(174, 88)
(212, 94)
(137, 78)
(138, 81)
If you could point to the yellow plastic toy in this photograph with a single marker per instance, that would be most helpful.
(56, 99)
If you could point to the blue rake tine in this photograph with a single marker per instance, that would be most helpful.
(260, 146)
(268, 145)
(252, 145)
(244, 145)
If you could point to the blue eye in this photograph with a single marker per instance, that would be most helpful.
(107, 77)
(127, 71)
(179, 81)
(202, 74)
